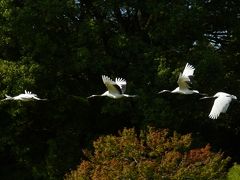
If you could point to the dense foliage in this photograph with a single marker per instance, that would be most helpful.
(152, 155)
(60, 49)
(234, 172)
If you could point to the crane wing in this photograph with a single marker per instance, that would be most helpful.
(188, 70)
(29, 93)
(112, 87)
(184, 78)
(220, 105)
(121, 83)
(183, 82)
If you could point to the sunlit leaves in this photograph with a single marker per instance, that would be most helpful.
(234, 172)
(155, 154)
(17, 76)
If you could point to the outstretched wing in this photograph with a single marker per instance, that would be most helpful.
(112, 87)
(30, 93)
(220, 105)
(184, 78)
(188, 70)
(27, 92)
(121, 83)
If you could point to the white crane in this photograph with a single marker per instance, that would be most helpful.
(184, 80)
(115, 89)
(221, 103)
(27, 96)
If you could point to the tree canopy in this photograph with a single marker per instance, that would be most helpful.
(152, 155)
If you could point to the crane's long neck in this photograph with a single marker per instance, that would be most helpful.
(95, 95)
(8, 97)
(208, 97)
(163, 91)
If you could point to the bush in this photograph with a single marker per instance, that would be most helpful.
(154, 154)
(234, 172)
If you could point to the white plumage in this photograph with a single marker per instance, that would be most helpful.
(184, 80)
(221, 103)
(27, 96)
(115, 89)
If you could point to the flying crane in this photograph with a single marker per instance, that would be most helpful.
(221, 103)
(184, 80)
(115, 89)
(27, 96)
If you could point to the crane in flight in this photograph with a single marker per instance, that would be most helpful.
(27, 96)
(221, 103)
(184, 80)
(115, 89)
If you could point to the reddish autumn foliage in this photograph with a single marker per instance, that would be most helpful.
(155, 154)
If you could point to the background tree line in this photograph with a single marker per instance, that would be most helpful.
(60, 49)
